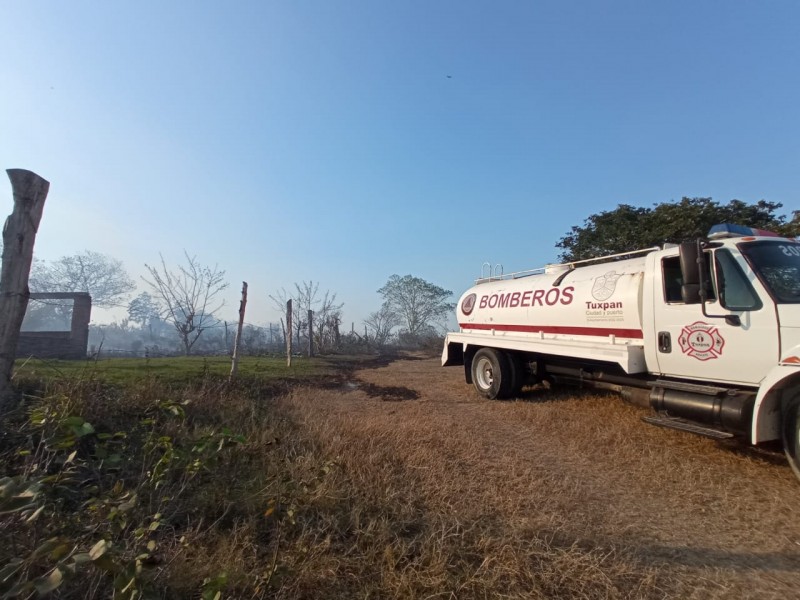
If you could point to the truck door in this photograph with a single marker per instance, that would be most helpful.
(694, 346)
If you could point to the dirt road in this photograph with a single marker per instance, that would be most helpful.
(556, 494)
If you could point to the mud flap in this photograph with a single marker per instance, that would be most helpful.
(453, 354)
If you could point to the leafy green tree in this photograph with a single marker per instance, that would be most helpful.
(631, 228)
(792, 228)
(417, 304)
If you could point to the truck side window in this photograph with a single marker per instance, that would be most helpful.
(673, 279)
(735, 291)
(671, 268)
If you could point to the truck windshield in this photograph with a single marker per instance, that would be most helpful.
(778, 265)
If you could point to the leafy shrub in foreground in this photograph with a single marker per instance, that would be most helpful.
(89, 511)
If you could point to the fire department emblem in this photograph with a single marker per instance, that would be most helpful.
(702, 341)
(605, 285)
(468, 304)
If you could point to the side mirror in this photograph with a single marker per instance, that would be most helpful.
(695, 277)
(690, 293)
(690, 268)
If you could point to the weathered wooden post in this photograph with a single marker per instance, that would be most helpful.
(310, 333)
(19, 235)
(289, 330)
(235, 358)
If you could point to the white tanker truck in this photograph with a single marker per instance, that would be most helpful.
(706, 333)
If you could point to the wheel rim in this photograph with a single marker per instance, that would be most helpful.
(484, 373)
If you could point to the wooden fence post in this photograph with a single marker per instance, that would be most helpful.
(310, 333)
(289, 336)
(19, 235)
(238, 341)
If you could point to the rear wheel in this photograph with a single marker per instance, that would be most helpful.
(491, 373)
(791, 431)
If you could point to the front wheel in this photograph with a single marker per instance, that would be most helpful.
(491, 373)
(791, 432)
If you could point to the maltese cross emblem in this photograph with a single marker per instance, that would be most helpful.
(702, 341)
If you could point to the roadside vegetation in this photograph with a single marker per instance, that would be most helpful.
(363, 477)
(134, 478)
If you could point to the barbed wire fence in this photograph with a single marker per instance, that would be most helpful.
(156, 337)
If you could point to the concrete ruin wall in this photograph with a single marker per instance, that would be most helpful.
(60, 344)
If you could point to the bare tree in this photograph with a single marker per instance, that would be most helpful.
(327, 312)
(305, 299)
(104, 277)
(279, 302)
(380, 324)
(326, 322)
(190, 296)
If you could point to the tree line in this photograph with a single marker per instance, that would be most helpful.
(181, 308)
(630, 227)
(181, 304)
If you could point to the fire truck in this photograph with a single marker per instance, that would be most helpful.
(705, 333)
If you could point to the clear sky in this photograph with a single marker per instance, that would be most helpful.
(345, 141)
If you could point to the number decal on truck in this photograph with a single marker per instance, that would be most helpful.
(702, 341)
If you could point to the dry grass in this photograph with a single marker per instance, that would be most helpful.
(393, 480)
(555, 495)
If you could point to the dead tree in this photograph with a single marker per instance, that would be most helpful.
(19, 235)
(189, 295)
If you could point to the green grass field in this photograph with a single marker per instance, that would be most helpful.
(173, 370)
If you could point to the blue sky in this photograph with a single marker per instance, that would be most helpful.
(343, 142)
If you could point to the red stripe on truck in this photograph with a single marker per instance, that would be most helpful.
(595, 331)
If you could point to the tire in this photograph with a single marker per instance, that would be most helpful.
(791, 432)
(491, 373)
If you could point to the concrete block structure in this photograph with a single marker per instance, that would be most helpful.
(60, 344)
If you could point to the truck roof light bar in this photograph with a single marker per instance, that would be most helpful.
(727, 230)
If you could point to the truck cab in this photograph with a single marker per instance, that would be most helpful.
(712, 338)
